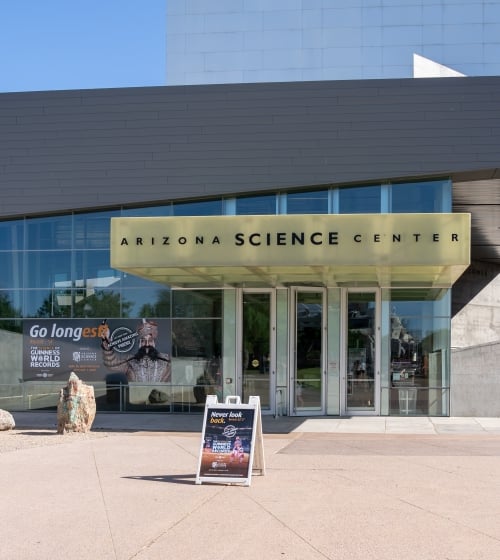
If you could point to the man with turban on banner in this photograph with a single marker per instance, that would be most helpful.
(147, 365)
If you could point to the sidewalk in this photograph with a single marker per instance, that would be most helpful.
(282, 424)
(343, 489)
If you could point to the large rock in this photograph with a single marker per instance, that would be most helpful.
(157, 397)
(76, 408)
(6, 421)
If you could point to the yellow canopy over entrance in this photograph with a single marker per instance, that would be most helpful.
(430, 250)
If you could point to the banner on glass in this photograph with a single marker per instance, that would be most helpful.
(52, 348)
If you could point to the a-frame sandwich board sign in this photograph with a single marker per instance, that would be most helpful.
(232, 445)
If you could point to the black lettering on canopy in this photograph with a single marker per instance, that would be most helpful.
(298, 238)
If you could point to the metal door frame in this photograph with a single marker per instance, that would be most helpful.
(272, 344)
(292, 329)
(344, 411)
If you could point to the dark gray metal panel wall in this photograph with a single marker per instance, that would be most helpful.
(85, 149)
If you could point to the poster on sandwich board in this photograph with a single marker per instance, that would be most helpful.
(231, 441)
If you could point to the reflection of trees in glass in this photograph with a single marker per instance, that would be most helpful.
(8, 310)
(103, 304)
(256, 318)
(256, 324)
(196, 337)
(197, 303)
(99, 304)
(161, 308)
(184, 303)
(51, 308)
(6, 307)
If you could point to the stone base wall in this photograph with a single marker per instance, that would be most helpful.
(475, 381)
(476, 306)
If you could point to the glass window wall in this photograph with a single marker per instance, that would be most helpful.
(48, 269)
(54, 232)
(100, 303)
(10, 303)
(12, 270)
(197, 335)
(148, 211)
(309, 202)
(149, 302)
(55, 302)
(202, 208)
(257, 205)
(199, 303)
(92, 269)
(425, 196)
(359, 200)
(12, 235)
(92, 230)
(58, 267)
(418, 339)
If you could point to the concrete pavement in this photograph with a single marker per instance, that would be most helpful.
(282, 424)
(353, 488)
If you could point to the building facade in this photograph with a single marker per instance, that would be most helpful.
(229, 41)
(329, 246)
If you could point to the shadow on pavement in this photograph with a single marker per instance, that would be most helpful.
(171, 478)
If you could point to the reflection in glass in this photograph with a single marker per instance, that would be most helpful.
(9, 304)
(48, 303)
(11, 271)
(100, 304)
(196, 358)
(148, 211)
(55, 232)
(92, 230)
(425, 196)
(256, 205)
(132, 281)
(196, 338)
(8, 326)
(419, 361)
(360, 386)
(310, 202)
(11, 349)
(197, 303)
(156, 306)
(202, 208)
(92, 270)
(48, 269)
(309, 351)
(12, 235)
(76, 302)
(147, 302)
(359, 200)
(256, 346)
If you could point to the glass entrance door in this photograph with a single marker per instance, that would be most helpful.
(361, 379)
(308, 352)
(257, 349)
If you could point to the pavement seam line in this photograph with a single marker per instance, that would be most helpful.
(386, 494)
(283, 524)
(183, 448)
(449, 519)
(175, 524)
(427, 511)
(104, 501)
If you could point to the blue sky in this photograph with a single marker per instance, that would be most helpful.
(80, 44)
